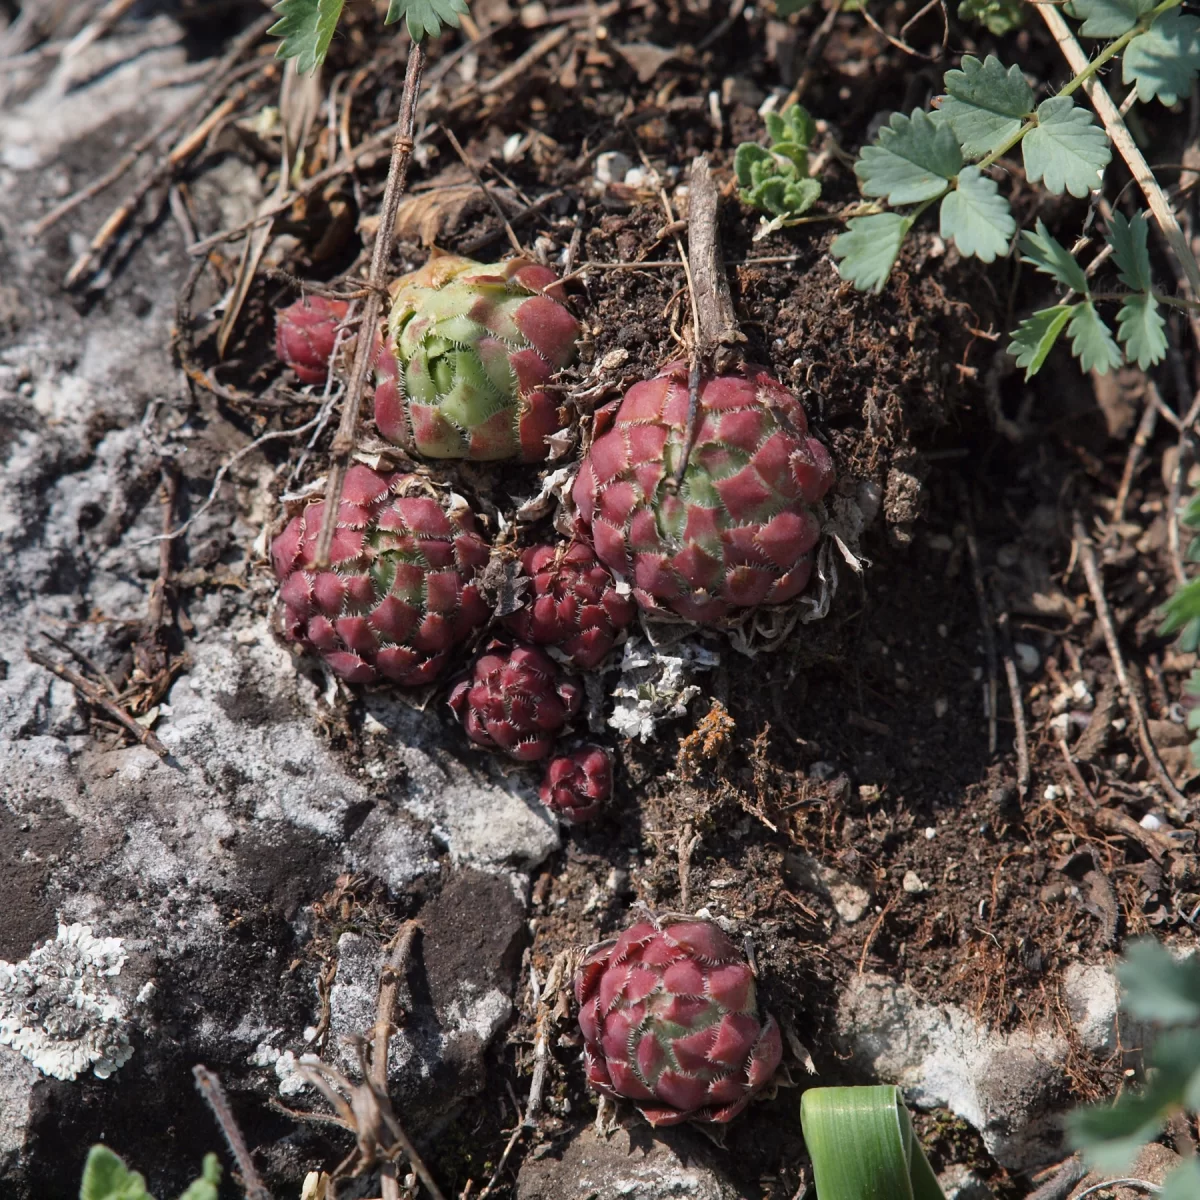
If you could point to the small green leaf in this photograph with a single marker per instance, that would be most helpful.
(1128, 240)
(106, 1177)
(1182, 608)
(794, 124)
(207, 1187)
(1035, 337)
(985, 104)
(1156, 986)
(1108, 18)
(1053, 259)
(1092, 340)
(425, 18)
(305, 29)
(915, 158)
(1067, 151)
(868, 249)
(745, 157)
(998, 17)
(1183, 1183)
(1142, 330)
(1111, 1135)
(977, 217)
(1164, 60)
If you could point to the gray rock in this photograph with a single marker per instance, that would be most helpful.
(1006, 1085)
(629, 1165)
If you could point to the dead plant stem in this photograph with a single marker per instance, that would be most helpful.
(364, 351)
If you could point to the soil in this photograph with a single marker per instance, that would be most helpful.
(879, 741)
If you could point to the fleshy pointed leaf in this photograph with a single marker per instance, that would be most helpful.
(305, 29)
(1092, 340)
(746, 157)
(913, 160)
(1034, 338)
(1142, 330)
(1051, 258)
(977, 217)
(425, 18)
(1128, 240)
(868, 249)
(1067, 151)
(1164, 60)
(1108, 18)
(985, 104)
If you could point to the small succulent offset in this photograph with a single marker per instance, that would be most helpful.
(739, 530)
(515, 700)
(670, 1020)
(775, 179)
(306, 333)
(576, 604)
(400, 591)
(469, 352)
(577, 785)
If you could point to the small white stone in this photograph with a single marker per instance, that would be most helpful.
(913, 884)
(941, 706)
(1052, 792)
(1028, 659)
(1151, 822)
(612, 166)
(639, 177)
(930, 833)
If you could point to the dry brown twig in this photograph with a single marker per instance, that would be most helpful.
(209, 1086)
(1091, 570)
(513, 240)
(343, 442)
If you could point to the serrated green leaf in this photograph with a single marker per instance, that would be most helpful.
(1051, 258)
(1157, 986)
(425, 18)
(794, 124)
(1111, 1135)
(1183, 1183)
(1034, 337)
(985, 104)
(977, 217)
(1182, 607)
(998, 17)
(914, 159)
(305, 29)
(1142, 331)
(1067, 151)
(106, 1177)
(1128, 240)
(1108, 18)
(1092, 340)
(1164, 60)
(868, 249)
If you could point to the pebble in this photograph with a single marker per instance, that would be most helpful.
(1028, 659)
(612, 166)
(913, 884)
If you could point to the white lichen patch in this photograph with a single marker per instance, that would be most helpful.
(57, 1010)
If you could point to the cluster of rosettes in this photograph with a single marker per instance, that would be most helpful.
(704, 519)
(670, 1020)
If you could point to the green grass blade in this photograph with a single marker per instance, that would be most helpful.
(862, 1146)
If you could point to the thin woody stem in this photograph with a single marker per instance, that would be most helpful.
(343, 442)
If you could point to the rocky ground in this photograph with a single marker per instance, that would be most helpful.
(917, 916)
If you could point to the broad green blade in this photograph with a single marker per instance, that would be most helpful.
(862, 1146)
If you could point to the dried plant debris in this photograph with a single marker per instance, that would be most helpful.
(57, 1010)
(656, 685)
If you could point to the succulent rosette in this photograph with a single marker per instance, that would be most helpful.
(399, 594)
(306, 333)
(578, 785)
(575, 604)
(670, 1020)
(740, 529)
(468, 352)
(515, 700)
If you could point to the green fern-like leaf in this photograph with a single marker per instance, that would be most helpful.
(1142, 330)
(1067, 151)
(1053, 259)
(1034, 337)
(1108, 18)
(985, 103)
(425, 18)
(977, 217)
(1164, 60)
(305, 29)
(1128, 240)
(1092, 340)
(914, 159)
(867, 251)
